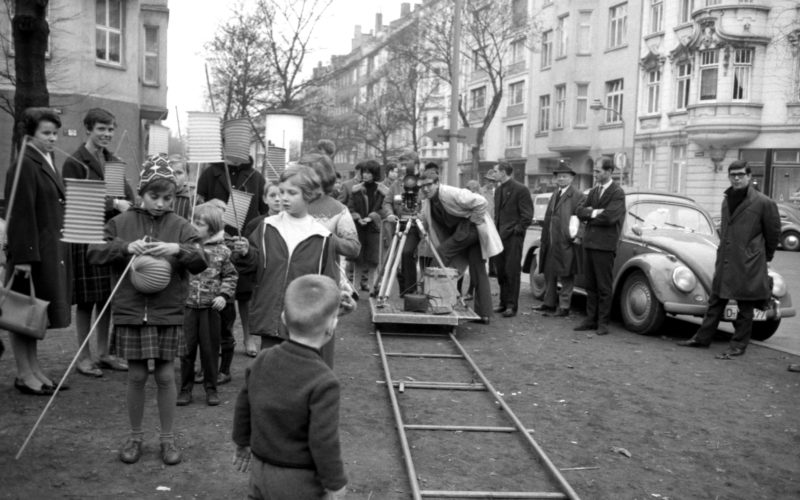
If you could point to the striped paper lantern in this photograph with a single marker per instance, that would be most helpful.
(84, 214)
(115, 179)
(159, 140)
(150, 274)
(237, 136)
(205, 138)
(276, 163)
(242, 201)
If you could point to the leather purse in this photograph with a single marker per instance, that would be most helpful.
(23, 314)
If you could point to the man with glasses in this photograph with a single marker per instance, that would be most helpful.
(603, 211)
(750, 231)
(462, 232)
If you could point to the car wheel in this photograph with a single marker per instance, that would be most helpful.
(536, 277)
(641, 311)
(762, 330)
(790, 240)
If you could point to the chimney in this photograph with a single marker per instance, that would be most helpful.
(405, 9)
(378, 23)
(356, 37)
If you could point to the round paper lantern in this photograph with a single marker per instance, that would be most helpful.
(150, 274)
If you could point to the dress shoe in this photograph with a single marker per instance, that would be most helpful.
(730, 353)
(170, 454)
(586, 325)
(692, 343)
(509, 313)
(24, 388)
(184, 398)
(558, 313)
(483, 320)
(499, 309)
(131, 451)
(223, 378)
(212, 399)
(602, 330)
(544, 308)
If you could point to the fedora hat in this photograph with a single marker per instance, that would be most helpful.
(491, 175)
(563, 168)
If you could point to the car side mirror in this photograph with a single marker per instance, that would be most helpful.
(637, 230)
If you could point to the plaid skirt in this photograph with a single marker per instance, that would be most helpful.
(149, 342)
(91, 284)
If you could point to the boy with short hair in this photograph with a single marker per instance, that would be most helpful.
(287, 414)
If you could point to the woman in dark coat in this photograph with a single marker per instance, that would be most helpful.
(34, 241)
(366, 207)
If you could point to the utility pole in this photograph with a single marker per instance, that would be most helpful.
(455, 75)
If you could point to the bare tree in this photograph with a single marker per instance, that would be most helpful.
(380, 120)
(325, 120)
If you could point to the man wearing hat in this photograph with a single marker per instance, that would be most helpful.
(557, 253)
(513, 213)
(603, 211)
(750, 231)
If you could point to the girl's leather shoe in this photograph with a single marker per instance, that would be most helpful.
(24, 388)
(170, 454)
(131, 452)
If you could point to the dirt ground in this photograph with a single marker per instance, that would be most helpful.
(695, 427)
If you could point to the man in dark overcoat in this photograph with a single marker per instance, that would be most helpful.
(557, 253)
(750, 231)
(513, 213)
(603, 211)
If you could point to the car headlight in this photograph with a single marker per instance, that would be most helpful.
(778, 285)
(684, 279)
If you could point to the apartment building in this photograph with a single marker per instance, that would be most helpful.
(720, 82)
(106, 53)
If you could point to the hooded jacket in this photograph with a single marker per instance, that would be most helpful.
(218, 279)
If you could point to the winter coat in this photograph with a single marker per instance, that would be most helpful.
(74, 169)
(34, 235)
(749, 238)
(130, 306)
(513, 209)
(556, 243)
(218, 279)
(269, 257)
(360, 207)
(602, 232)
(213, 184)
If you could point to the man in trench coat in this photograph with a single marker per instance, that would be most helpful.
(751, 229)
(558, 256)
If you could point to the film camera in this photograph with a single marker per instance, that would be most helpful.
(407, 203)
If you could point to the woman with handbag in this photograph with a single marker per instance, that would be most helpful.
(36, 255)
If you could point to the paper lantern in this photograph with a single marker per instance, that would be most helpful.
(84, 214)
(237, 136)
(150, 274)
(205, 139)
(159, 140)
(115, 179)
(242, 201)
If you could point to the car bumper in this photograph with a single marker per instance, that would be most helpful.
(700, 310)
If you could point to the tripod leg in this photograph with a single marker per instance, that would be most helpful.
(387, 264)
(398, 255)
(427, 238)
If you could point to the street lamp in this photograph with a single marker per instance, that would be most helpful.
(622, 160)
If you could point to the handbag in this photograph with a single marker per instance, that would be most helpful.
(23, 314)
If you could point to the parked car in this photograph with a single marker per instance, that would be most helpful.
(540, 202)
(664, 266)
(790, 226)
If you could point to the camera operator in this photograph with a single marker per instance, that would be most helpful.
(402, 206)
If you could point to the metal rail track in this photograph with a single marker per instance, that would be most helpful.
(394, 386)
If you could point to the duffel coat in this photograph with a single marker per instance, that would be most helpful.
(556, 243)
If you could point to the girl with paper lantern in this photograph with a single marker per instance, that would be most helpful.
(148, 308)
(92, 284)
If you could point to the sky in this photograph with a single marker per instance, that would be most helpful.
(193, 23)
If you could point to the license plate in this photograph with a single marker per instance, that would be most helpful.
(731, 310)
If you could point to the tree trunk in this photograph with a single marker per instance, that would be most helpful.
(30, 32)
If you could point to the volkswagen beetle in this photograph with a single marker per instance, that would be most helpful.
(664, 266)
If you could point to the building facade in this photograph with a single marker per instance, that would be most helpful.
(102, 53)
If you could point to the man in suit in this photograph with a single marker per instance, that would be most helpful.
(603, 211)
(750, 231)
(557, 253)
(513, 213)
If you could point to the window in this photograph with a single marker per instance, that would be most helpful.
(478, 98)
(685, 8)
(617, 25)
(562, 36)
(676, 168)
(518, 51)
(581, 103)
(653, 95)
(683, 81)
(516, 93)
(614, 90)
(547, 48)
(544, 113)
(656, 15)
(514, 136)
(742, 72)
(561, 106)
(585, 32)
(151, 54)
(108, 31)
(709, 60)
(648, 165)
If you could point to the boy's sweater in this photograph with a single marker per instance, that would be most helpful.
(218, 279)
(288, 412)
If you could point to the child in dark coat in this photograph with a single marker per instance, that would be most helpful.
(286, 420)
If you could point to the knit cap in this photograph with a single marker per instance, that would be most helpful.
(156, 167)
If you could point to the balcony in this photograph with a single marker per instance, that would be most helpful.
(738, 21)
(515, 152)
(723, 124)
(515, 110)
(516, 67)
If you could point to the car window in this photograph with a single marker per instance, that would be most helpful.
(660, 216)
